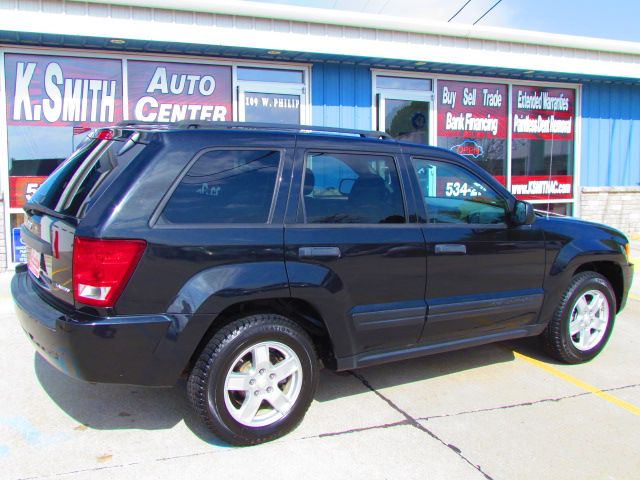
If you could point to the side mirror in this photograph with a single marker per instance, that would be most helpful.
(522, 213)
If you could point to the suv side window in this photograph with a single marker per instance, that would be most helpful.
(225, 186)
(452, 194)
(351, 188)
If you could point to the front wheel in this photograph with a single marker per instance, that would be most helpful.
(255, 379)
(583, 320)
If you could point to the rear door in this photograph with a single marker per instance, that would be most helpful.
(484, 275)
(55, 209)
(353, 249)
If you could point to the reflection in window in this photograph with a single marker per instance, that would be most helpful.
(270, 75)
(407, 121)
(225, 186)
(488, 153)
(38, 150)
(541, 157)
(563, 209)
(404, 83)
(453, 195)
(346, 188)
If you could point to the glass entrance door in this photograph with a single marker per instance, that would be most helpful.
(404, 119)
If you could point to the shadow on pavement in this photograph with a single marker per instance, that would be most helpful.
(112, 407)
(431, 366)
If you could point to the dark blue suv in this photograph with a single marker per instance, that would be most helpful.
(242, 255)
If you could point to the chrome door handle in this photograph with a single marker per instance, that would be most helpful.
(327, 252)
(451, 249)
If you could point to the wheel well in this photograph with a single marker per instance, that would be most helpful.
(611, 271)
(295, 309)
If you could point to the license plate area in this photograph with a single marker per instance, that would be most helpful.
(34, 262)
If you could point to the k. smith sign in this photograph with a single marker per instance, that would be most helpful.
(62, 91)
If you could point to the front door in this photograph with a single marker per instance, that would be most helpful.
(484, 276)
(350, 249)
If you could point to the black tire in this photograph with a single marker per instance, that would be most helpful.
(220, 357)
(556, 338)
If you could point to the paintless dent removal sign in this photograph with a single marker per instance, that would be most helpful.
(170, 92)
(543, 113)
(472, 110)
(61, 91)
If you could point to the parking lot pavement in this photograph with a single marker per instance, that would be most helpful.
(500, 411)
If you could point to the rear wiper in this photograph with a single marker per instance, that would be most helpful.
(31, 208)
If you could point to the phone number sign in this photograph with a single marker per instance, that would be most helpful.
(22, 189)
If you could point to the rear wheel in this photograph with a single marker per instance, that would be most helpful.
(255, 379)
(583, 320)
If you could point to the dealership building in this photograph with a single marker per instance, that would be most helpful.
(554, 118)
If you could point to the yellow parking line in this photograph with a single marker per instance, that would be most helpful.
(634, 296)
(630, 407)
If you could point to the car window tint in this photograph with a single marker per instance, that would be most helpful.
(225, 186)
(351, 188)
(454, 195)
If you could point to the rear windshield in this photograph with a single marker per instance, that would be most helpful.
(74, 181)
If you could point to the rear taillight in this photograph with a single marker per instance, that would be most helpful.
(105, 134)
(102, 268)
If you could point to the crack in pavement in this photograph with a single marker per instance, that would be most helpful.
(409, 420)
(360, 429)
(415, 423)
(527, 404)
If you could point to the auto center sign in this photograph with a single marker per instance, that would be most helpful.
(62, 91)
(170, 92)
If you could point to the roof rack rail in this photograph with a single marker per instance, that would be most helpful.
(189, 124)
(282, 126)
(131, 123)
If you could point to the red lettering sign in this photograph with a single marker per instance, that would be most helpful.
(22, 188)
(543, 113)
(472, 110)
(170, 92)
(555, 187)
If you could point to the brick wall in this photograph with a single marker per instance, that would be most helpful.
(615, 206)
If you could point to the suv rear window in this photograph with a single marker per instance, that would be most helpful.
(70, 186)
(225, 186)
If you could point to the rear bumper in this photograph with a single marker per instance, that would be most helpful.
(123, 349)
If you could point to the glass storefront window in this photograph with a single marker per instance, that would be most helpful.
(542, 149)
(269, 95)
(38, 150)
(54, 101)
(565, 209)
(404, 83)
(271, 108)
(472, 121)
(253, 74)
